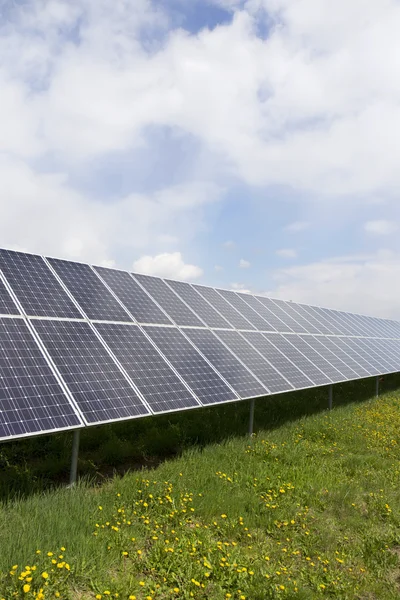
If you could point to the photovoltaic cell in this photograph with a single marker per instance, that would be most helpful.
(278, 360)
(245, 310)
(154, 378)
(294, 311)
(197, 303)
(98, 386)
(35, 286)
(194, 370)
(262, 302)
(258, 365)
(345, 363)
(31, 399)
(165, 297)
(361, 359)
(365, 354)
(333, 318)
(284, 312)
(303, 362)
(91, 294)
(324, 319)
(317, 356)
(7, 304)
(349, 326)
(139, 304)
(223, 307)
(309, 320)
(242, 380)
(390, 347)
(339, 370)
(290, 324)
(383, 362)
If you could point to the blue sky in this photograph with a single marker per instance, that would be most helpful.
(248, 144)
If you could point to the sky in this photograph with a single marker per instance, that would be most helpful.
(247, 144)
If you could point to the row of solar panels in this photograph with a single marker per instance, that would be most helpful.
(63, 364)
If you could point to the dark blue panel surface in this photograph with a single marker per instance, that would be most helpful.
(319, 355)
(194, 370)
(240, 378)
(91, 294)
(35, 286)
(99, 387)
(31, 399)
(154, 378)
(331, 353)
(139, 304)
(245, 309)
(7, 304)
(347, 347)
(254, 361)
(197, 303)
(223, 307)
(165, 297)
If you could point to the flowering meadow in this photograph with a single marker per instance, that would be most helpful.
(309, 509)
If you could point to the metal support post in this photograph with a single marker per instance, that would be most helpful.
(74, 459)
(377, 387)
(330, 397)
(251, 419)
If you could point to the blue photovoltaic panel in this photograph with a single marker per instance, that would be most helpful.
(223, 307)
(265, 372)
(31, 399)
(383, 362)
(98, 386)
(280, 315)
(331, 353)
(261, 304)
(345, 345)
(299, 358)
(324, 319)
(7, 304)
(35, 286)
(240, 378)
(200, 306)
(363, 353)
(291, 308)
(132, 296)
(191, 366)
(165, 297)
(349, 325)
(318, 355)
(278, 360)
(390, 347)
(333, 320)
(283, 311)
(246, 310)
(345, 354)
(357, 324)
(309, 321)
(154, 378)
(91, 294)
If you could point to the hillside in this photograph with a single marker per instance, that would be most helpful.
(309, 508)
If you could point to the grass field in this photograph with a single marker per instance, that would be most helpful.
(307, 508)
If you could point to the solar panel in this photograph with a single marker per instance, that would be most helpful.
(278, 311)
(247, 311)
(241, 379)
(324, 319)
(357, 323)
(393, 326)
(317, 357)
(31, 399)
(191, 366)
(345, 345)
(223, 307)
(7, 304)
(367, 355)
(302, 322)
(334, 318)
(271, 320)
(333, 356)
(133, 297)
(98, 386)
(253, 360)
(91, 294)
(349, 325)
(278, 360)
(308, 321)
(197, 303)
(165, 297)
(299, 359)
(346, 354)
(391, 347)
(383, 363)
(35, 286)
(154, 378)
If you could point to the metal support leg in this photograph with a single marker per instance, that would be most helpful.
(330, 397)
(377, 387)
(251, 419)
(74, 459)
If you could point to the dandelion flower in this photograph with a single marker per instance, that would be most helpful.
(26, 588)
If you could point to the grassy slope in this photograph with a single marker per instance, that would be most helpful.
(309, 509)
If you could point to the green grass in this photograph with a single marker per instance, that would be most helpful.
(307, 508)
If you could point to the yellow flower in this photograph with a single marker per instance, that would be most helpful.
(26, 588)
(40, 596)
(49, 554)
(98, 596)
(62, 549)
(45, 575)
(132, 597)
(223, 516)
(57, 594)
(141, 582)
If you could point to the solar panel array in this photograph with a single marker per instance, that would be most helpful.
(83, 345)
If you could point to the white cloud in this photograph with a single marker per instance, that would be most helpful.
(297, 226)
(244, 264)
(286, 253)
(367, 284)
(218, 268)
(380, 227)
(240, 287)
(167, 265)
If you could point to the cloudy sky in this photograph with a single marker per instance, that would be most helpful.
(249, 144)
